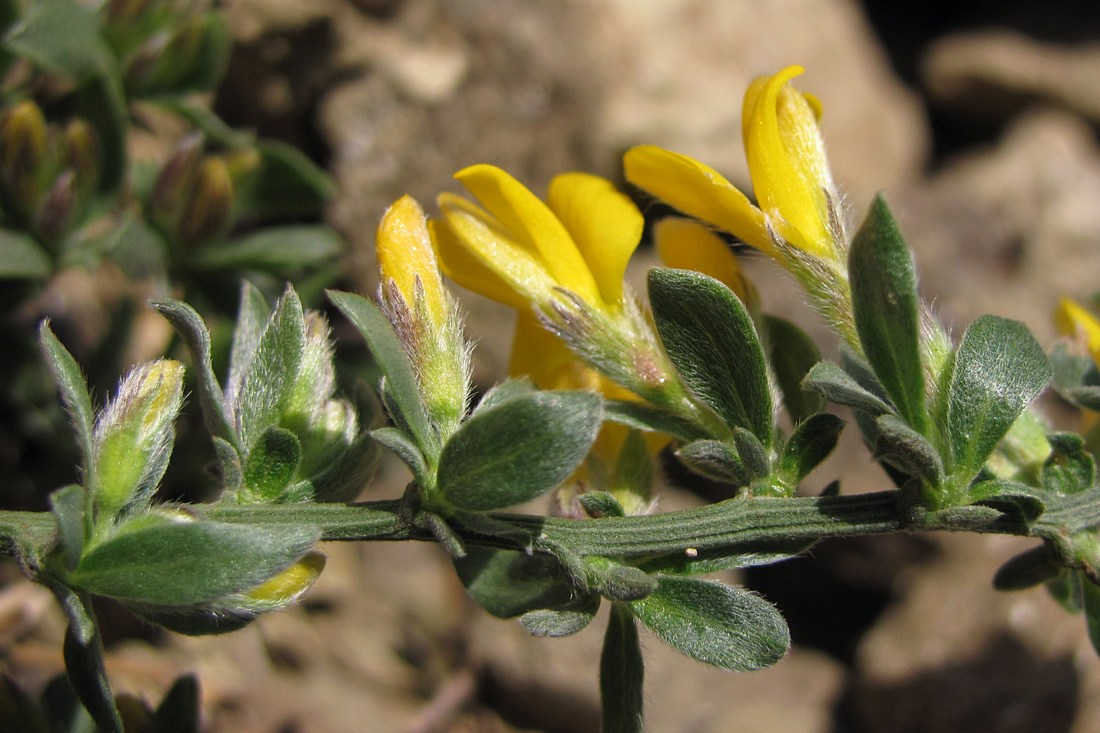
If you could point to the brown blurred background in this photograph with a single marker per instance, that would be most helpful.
(978, 120)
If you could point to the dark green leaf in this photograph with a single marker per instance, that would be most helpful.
(622, 670)
(836, 385)
(229, 464)
(400, 445)
(1090, 594)
(1066, 589)
(271, 464)
(22, 258)
(566, 621)
(731, 628)
(102, 104)
(505, 391)
(68, 506)
(290, 185)
(18, 712)
(1009, 496)
(519, 449)
(282, 251)
(179, 712)
(900, 446)
(269, 380)
(716, 460)
(253, 313)
(633, 472)
(887, 313)
(811, 443)
(601, 504)
(183, 563)
(83, 653)
(509, 583)
(1076, 377)
(999, 370)
(62, 36)
(710, 337)
(754, 457)
(1070, 469)
(1027, 569)
(619, 582)
(190, 326)
(792, 354)
(394, 364)
(74, 394)
(642, 416)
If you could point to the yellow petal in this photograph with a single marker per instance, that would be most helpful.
(291, 583)
(532, 226)
(688, 245)
(787, 161)
(697, 190)
(405, 255)
(603, 222)
(1073, 320)
(546, 360)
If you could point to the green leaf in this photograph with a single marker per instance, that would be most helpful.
(792, 354)
(102, 104)
(710, 622)
(268, 382)
(811, 443)
(716, 560)
(62, 36)
(753, 455)
(82, 650)
(519, 449)
(22, 258)
(229, 464)
(622, 671)
(1076, 377)
(999, 370)
(566, 621)
(887, 313)
(710, 337)
(74, 393)
(271, 465)
(642, 416)
(183, 563)
(509, 583)
(1029, 568)
(253, 314)
(597, 504)
(619, 582)
(283, 251)
(838, 386)
(1070, 469)
(290, 185)
(399, 444)
(900, 446)
(716, 460)
(189, 324)
(393, 362)
(1090, 594)
(179, 711)
(1009, 496)
(505, 391)
(68, 505)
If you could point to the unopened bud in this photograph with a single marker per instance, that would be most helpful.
(141, 71)
(80, 153)
(174, 183)
(208, 213)
(134, 435)
(55, 214)
(22, 151)
(286, 587)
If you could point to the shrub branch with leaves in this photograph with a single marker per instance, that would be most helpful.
(602, 381)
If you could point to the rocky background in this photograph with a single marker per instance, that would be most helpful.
(978, 121)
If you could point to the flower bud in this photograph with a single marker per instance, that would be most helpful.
(134, 434)
(80, 154)
(208, 213)
(286, 587)
(55, 213)
(174, 183)
(23, 152)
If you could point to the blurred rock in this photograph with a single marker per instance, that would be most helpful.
(1010, 229)
(992, 73)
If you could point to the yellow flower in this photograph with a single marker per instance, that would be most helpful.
(787, 164)
(688, 245)
(1073, 320)
(406, 258)
(422, 312)
(523, 252)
